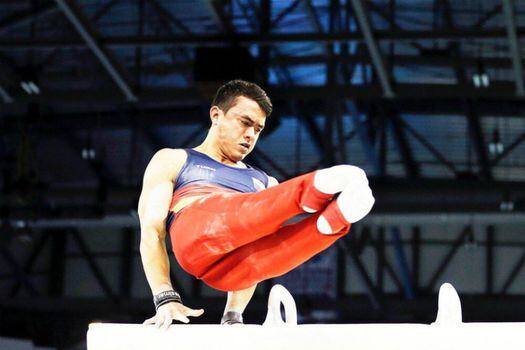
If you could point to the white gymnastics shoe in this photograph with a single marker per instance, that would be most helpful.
(353, 204)
(334, 179)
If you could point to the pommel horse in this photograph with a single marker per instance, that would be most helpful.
(448, 332)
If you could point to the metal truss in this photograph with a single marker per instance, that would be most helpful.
(380, 238)
(246, 39)
(407, 279)
(6, 97)
(508, 9)
(373, 47)
(81, 25)
(488, 195)
(27, 16)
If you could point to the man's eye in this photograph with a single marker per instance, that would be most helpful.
(244, 122)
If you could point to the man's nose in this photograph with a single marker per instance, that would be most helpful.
(250, 132)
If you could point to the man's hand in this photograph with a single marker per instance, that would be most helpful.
(172, 311)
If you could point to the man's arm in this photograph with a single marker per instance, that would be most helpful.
(153, 209)
(154, 203)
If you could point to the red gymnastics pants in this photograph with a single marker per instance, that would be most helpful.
(232, 241)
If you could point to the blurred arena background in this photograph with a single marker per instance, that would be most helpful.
(427, 96)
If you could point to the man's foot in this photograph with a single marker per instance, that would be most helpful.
(353, 204)
(232, 318)
(328, 182)
(334, 179)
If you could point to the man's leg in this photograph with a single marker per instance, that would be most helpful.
(271, 256)
(216, 225)
(211, 227)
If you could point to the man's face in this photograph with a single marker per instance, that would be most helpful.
(238, 129)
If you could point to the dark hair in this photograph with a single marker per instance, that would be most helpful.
(227, 93)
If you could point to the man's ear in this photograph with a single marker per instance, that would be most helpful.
(215, 112)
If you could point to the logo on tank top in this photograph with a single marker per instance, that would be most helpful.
(259, 186)
(205, 167)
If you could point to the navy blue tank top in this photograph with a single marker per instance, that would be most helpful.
(201, 169)
(202, 175)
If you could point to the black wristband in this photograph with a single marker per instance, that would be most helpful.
(166, 297)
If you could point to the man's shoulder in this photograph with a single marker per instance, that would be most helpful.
(170, 159)
(171, 154)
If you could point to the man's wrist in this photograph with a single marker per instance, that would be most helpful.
(162, 288)
(165, 297)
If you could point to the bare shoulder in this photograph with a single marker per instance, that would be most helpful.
(168, 161)
(171, 155)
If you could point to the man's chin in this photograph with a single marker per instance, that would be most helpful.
(238, 157)
(243, 154)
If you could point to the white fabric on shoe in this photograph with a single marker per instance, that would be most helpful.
(355, 202)
(323, 226)
(334, 179)
(308, 209)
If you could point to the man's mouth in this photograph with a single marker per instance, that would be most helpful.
(245, 145)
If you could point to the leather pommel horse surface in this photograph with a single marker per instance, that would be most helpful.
(448, 332)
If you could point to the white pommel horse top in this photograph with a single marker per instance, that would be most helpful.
(448, 332)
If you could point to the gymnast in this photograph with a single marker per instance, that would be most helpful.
(226, 218)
